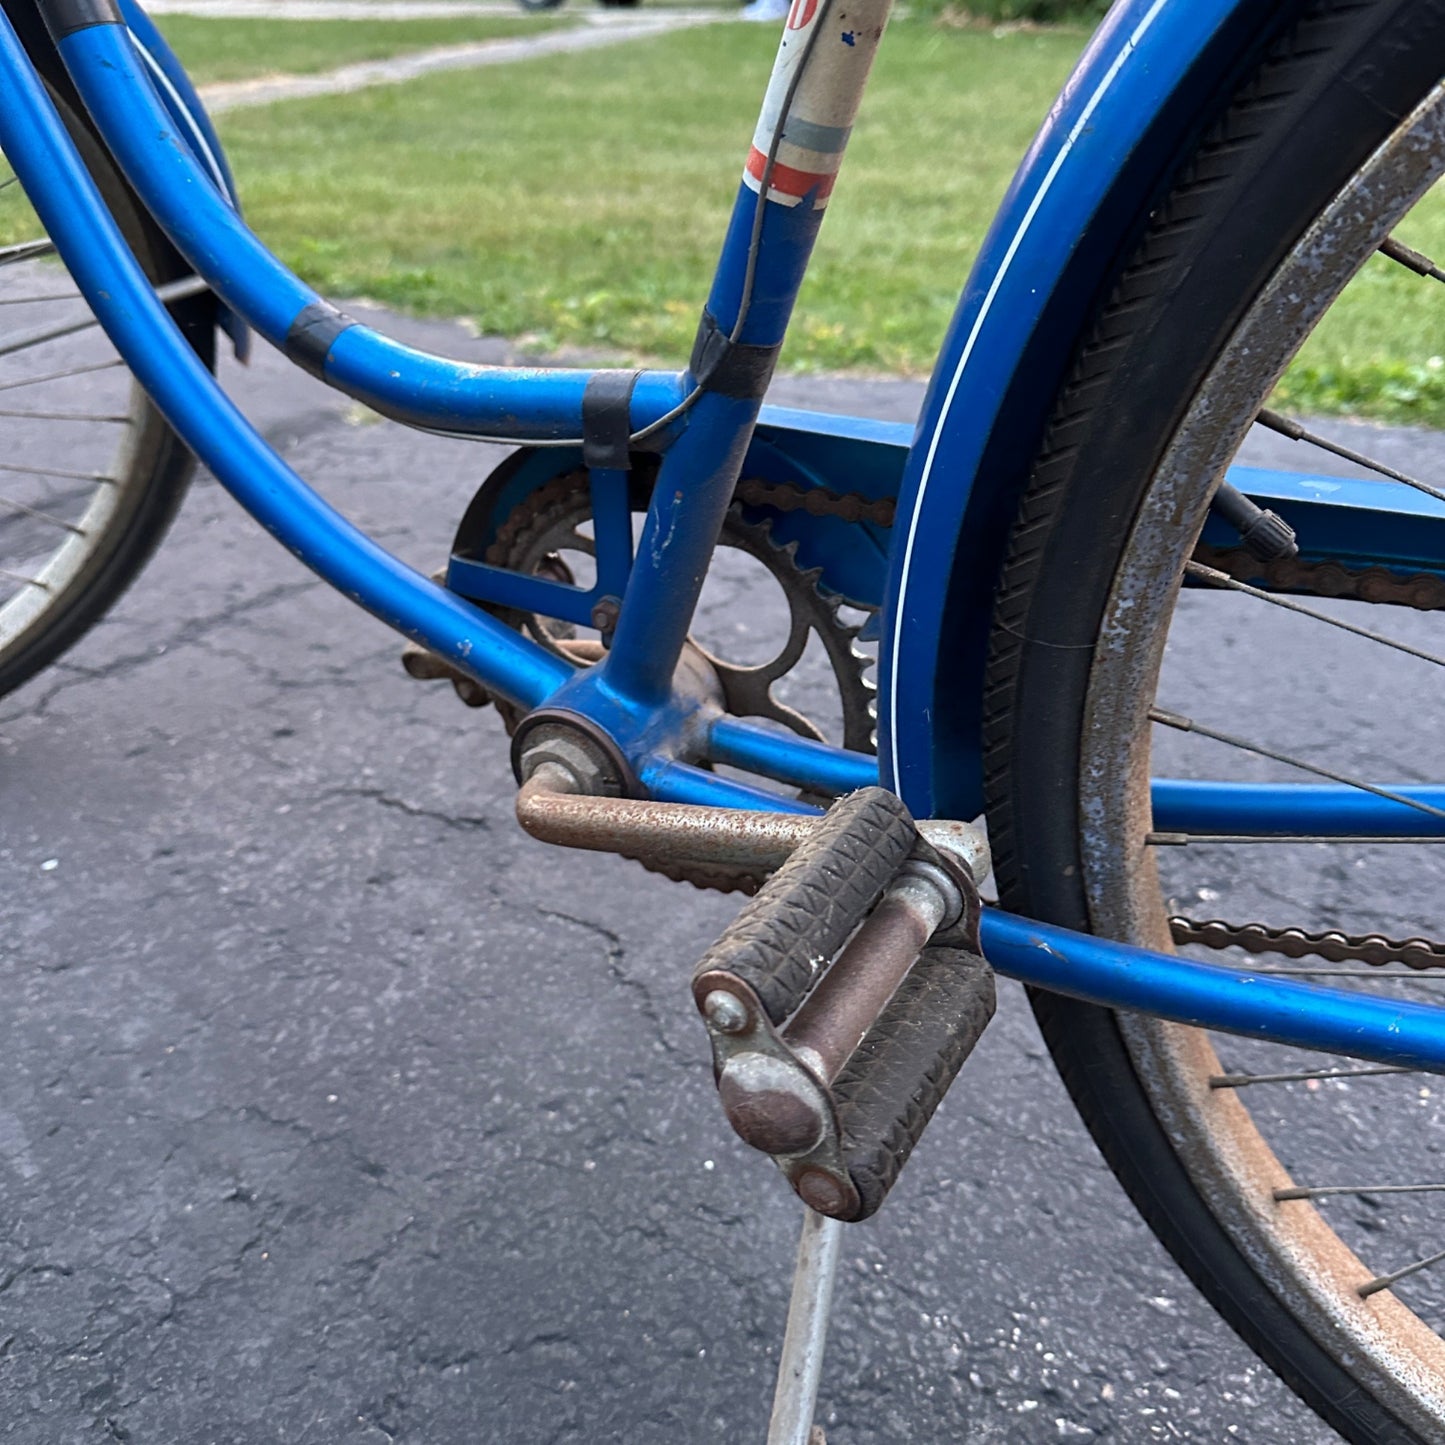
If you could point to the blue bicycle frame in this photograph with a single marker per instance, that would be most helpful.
(1127, 102)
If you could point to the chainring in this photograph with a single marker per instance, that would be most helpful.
(535, 537)
(537, 533)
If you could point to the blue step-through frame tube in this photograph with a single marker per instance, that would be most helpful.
(399, 381)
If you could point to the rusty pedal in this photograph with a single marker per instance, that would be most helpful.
(843, 1000)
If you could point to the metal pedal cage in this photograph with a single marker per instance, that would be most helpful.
(843, 1000)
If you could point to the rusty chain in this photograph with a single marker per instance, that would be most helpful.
(1422, 591)
(816, 501)
(1332, 946)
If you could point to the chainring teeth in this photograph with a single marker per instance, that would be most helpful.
(547, 521)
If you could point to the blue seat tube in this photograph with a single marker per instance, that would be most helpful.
(817, 82)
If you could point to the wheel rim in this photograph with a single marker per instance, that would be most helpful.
(1379, 1340)
(75, 423)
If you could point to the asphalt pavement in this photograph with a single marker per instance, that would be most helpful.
(335, 1109)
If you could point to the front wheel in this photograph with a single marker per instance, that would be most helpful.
(1295, 1190)
(91, 475)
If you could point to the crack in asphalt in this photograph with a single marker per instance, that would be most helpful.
(466, 822)
(616, 952)
(191, 633)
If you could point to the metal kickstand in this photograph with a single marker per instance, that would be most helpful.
(807, 1333)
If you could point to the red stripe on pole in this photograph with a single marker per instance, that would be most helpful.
(788, 180)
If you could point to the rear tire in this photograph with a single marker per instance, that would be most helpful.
(1063, 730)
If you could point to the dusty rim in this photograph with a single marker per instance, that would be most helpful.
(111, 505)
(1379, 1341)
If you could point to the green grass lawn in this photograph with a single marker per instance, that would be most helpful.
(580, 199)
(237, 49)
(1380, 351)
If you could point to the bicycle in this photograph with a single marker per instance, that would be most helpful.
(1208, 185)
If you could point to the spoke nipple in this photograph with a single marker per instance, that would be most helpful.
(726, 1012)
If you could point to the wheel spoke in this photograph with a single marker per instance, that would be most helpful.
(65, 415)
(26, 251)
(28, 470)
(1325, 1191)
(1240, 1081)
(24, 581)
(38, 300)
(1384, 1281)
(1216, 578)
(1408, 256)
(1188, 725)
(171, 291)
(1380, 974)
(40, 516)
(65, 375)
(1295, 431)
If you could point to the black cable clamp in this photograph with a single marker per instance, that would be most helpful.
(607, 420)
(727, 367)
(312, 334)
(65, 17)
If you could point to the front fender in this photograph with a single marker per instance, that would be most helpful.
(180, 98)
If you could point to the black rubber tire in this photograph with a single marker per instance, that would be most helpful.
(160, 465)
(1332, 82)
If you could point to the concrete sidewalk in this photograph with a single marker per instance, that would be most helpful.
(402, 10)
(595, 31)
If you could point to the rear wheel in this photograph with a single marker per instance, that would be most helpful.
(1291, 1200)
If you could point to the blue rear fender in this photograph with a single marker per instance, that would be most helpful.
(1081, 195)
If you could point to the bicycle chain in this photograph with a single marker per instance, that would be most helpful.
(1333, 946)
(817, 501)
(1422, 590)
(1425, 593)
